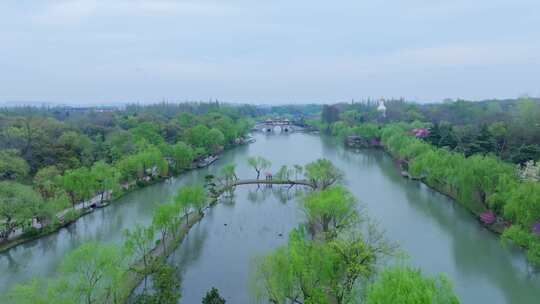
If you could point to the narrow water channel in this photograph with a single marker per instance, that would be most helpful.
(438, 235)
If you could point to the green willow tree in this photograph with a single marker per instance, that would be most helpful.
(259, 163)
(330, 210)
(307, 271)
(79, 184)
(190, 198)
(216, 140)
(106, 178)
(91, 272)
(46, 181)
(166, 285)
(406, 285)
(164, 221)
(139, 243)
(322, 173)
(19, 204)
(183, 156)
(12, 166)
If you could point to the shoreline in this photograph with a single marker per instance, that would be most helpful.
(406, 175)
(45, 231)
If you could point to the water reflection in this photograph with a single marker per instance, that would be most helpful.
(282, 193)
(438, 235)
(190, 250)
(259, 221)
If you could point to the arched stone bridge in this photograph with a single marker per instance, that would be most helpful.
(271, 125)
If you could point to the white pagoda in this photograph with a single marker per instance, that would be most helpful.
(382, 108)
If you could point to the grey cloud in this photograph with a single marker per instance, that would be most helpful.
(267, 51)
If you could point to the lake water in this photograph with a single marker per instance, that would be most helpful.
(437, 234)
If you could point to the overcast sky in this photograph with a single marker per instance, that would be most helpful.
(279, 51)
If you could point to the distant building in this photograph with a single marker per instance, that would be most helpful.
(382, 108)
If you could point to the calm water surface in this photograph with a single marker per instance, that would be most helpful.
(438, 235)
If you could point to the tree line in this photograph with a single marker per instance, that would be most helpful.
(509, 129)
(52, 159)
(486, 154)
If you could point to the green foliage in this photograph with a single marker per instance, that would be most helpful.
(18, 205)
(332, 209)
(517, 235)
(317, 272)
(71, 215)
(46, 181)
(29, 293)
(105, 177)
(89, 274)
(367, 131)
(198, 137)
(79, 184)
(12, 166)
(407, 285)
(523, 205)
(480, 182)
(164, 219)
(92, 272)
(77, 149)
(323, 173)
(166, 286)
(258, 163)
(183, 156)
(350, 118)
(119, 143)
(216, 140)
(190, 197)
(146, 133)
(228, 171)
(284, 173)
(533, 254)
(145, 164)
(186, 119)
(80, 154)
(138, 242)
(508, 129)
(213, 297)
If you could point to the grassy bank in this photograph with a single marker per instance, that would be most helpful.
(488, 187)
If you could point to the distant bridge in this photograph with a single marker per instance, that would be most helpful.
(271, 125)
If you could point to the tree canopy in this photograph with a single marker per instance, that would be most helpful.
(258, 163)
(403, 284)
(323, 173)
(331, 209)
